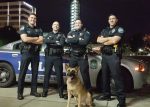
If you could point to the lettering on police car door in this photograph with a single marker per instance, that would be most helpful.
(41, 66)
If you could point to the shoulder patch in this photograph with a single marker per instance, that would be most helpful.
(88, 32)
(22, 27)
(120, 30)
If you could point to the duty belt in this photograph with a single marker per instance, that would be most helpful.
(52, 51)
(31, 48)
(111, 50)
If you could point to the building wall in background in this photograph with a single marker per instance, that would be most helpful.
(15, 13)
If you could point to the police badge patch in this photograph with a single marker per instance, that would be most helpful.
(22, 28)
(120, 30)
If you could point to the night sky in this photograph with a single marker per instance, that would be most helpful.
(134, 15)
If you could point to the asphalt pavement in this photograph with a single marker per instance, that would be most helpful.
(8, 98)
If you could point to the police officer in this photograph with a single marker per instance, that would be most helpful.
(53, 57)
(111, 38)
(32, 38)
(78, 39)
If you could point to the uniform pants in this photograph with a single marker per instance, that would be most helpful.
(26, 59)
(111, 68)
(57, 62)
(82, 62)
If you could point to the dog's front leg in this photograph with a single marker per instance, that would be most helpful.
(69, 98)
(79, 100)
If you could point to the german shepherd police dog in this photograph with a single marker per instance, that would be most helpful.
(75, 88)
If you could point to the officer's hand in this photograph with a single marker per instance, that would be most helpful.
(96, 50)
(99, 38)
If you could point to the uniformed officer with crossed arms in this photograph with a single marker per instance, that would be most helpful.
(111, 38)
(53, 57)
(32, 38)
(78, 40)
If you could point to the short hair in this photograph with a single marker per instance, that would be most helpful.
(32, 14)
(112, 15)
(78, 19)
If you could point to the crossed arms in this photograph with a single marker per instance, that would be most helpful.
(34, 40)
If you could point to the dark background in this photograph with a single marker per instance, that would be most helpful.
(134, 15)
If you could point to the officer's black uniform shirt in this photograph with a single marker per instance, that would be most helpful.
(31, 32)
(79, 38)
(55, 40)
(110, 32)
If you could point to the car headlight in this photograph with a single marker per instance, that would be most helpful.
(140, 68)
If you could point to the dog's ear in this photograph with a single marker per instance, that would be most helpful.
(77, 68)
(66, 66)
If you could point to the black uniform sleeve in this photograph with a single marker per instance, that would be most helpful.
(73, 40)
(22, 30)
(40, 32)
(119, 32)
(49, 39)
(84, 39)
(103, 32)
(62, 39)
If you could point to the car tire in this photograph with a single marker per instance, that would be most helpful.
(128, 80)
(7, 75)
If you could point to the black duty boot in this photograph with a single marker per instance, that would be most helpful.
(65, 96)
(108, 98)
(121, 105)
(44, 94)
(35, 94)
(20, 97)
(61, 93)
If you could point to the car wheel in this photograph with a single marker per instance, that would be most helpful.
(7, 75)
(128, 80)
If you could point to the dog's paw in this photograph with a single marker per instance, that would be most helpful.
(93, 105)
(76, 105)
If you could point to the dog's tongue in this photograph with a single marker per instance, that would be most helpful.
(71, 77)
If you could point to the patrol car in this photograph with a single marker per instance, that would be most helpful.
(134, 71)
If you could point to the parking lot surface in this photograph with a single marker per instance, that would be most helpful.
(8, 98)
